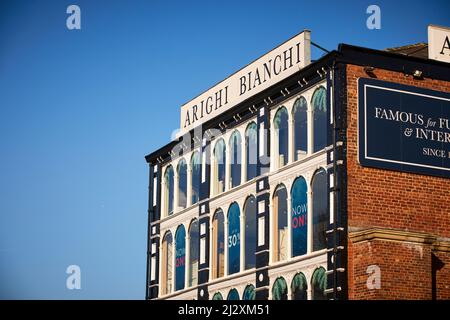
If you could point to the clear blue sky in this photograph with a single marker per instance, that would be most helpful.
(79, 110)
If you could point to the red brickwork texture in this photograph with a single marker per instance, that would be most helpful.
(394, 200)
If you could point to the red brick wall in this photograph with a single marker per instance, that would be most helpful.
(395, 200)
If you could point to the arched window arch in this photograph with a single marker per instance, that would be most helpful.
(217, 296)
(249, 292)
(251, 152)
(219, 167)
(300, 114)
(234, 238)
(182, 183)
(299, 287)
(180, 254)
(280, 236)
(319, 108)
(169, 190)
(319, 284)
(320, 209)
(233, 295)
(281, 125)
(250, 233)
(299, 200)
(167, 264)
(194, 245)
(218, 245)
(236, 158)
(279, 289)
(196, 166)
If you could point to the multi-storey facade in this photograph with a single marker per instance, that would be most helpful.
(263, 196)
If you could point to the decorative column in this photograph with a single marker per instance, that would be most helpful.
(163, 198)
(225, 260)
(227, 167)
(310, 221)
(310, 130)
(289, 225)
(189, 185)
(175, 190)
(242, 241)
(271, 228)
(187, 265)
(291, 149)
(243, 160)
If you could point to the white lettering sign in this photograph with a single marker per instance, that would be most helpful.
(272, 67)
(439, 43)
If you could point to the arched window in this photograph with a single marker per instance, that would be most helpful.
(299, 287)
(180, 253)
(167, 264)
(233, 295)
(251, 152)
(194, 244)
(236, 158)
(281, 124)
(301, 127)
(280, 236)
(299, 200)
(319, 107)
(320, 212)
(279, 289)
(168, 192)
(319, 284)
(182, 183)
(234, 238)
(218, 245)
(217, 296)
(219, 167)
(250, 232)
(196, 166)
(249, 292)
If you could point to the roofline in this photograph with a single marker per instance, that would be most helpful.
(346, 54)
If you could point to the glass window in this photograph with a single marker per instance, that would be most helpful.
(218, 245)
(251, 150)
(299, 200)
(233, 295)
(319, 107)
(182, 183)
(319, 284)
(217, 296)
(236, 160)
(234, 238)
(194, 245)
(250, 232)
(180, 251)
(280, 224)
(299, 287)
(320, 212)
(249, 293)
(167, 264)
(301, 128)
(168, 192)
(281, 124)
(219, 166)
(196, 166)
(279, 289)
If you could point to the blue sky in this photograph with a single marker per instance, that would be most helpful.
(79, 109)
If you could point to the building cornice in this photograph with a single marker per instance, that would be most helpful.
(357, 235)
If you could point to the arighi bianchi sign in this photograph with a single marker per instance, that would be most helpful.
(403, 128)
(279, 63)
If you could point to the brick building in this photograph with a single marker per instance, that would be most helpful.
(294, 179)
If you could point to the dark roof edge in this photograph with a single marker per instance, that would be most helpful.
(347, 54)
